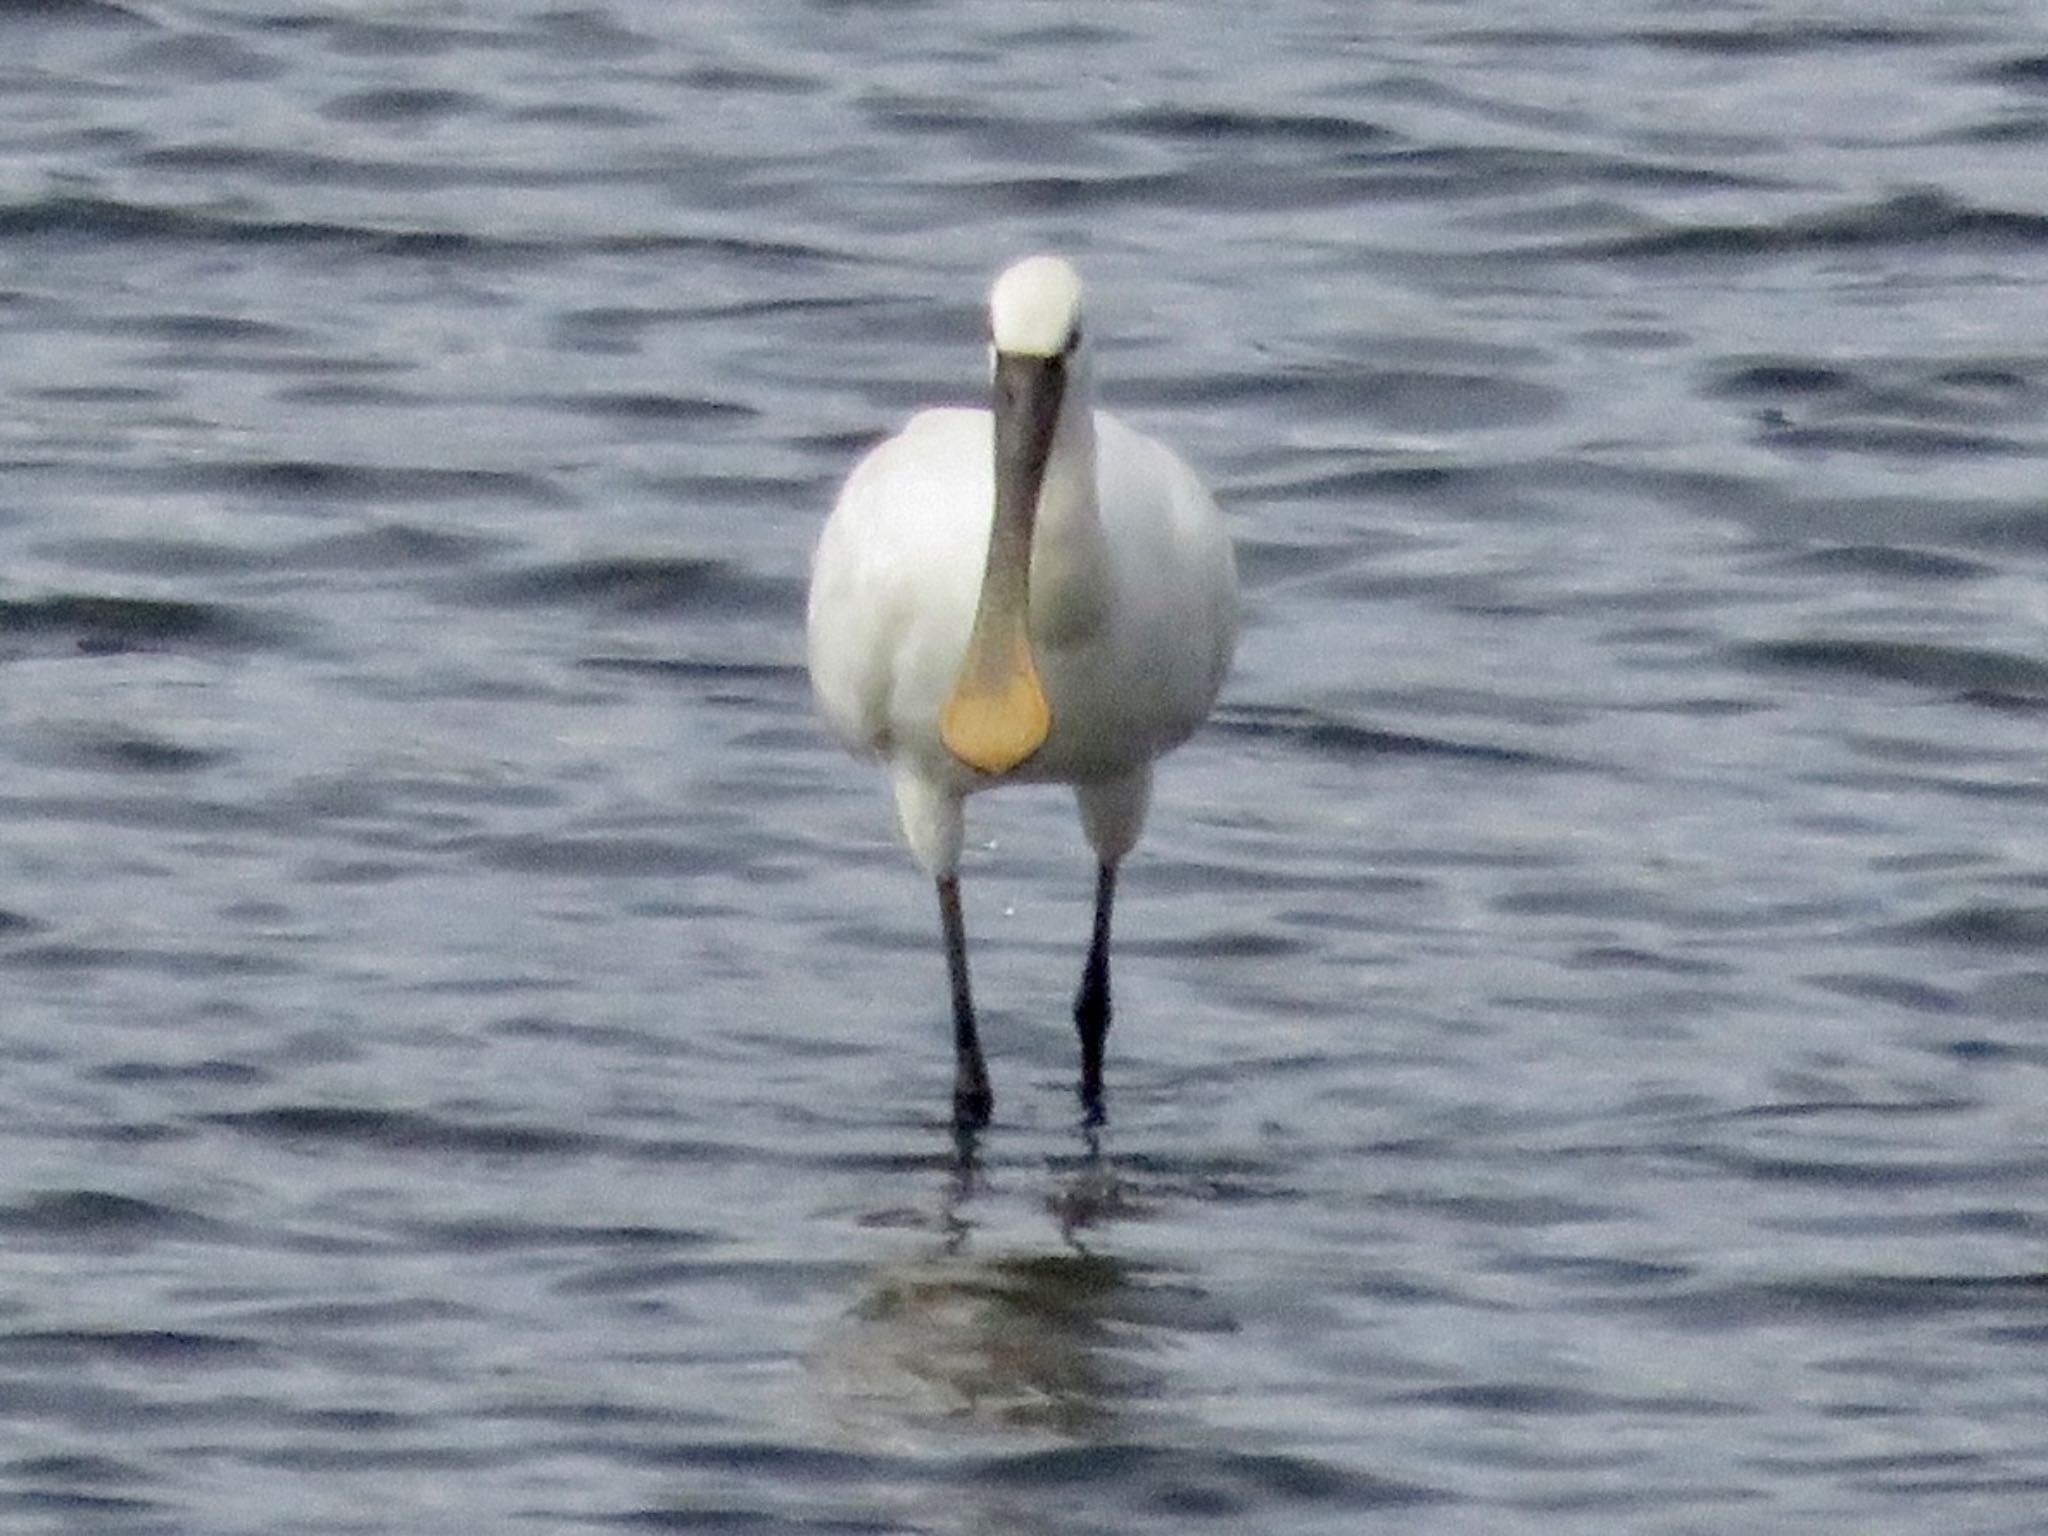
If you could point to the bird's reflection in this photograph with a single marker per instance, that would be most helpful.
(1056, 1336)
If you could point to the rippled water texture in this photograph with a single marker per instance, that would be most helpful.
(472, 1052)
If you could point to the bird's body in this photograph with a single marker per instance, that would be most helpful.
(1132, 637)
(1032, 593)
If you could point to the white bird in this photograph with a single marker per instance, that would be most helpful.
(1031, 593)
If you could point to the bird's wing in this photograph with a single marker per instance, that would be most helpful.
(895, 578)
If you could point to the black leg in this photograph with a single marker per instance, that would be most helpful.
(972, 1100)
(1091, 1004)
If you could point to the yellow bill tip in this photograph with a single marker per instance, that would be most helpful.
(994, 727)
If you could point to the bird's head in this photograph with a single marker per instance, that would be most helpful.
(1034, 309)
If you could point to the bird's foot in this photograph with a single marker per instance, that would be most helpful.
(1093, 1111)
(1091, 1023)
(973, 1100)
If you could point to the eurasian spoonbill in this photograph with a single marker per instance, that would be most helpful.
(1030, 593)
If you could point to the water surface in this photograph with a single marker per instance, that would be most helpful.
(473, 1054)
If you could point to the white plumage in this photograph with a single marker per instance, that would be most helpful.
(1066, 617)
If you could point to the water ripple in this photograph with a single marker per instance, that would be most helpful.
(1921, 217)
(105, 625)
(473, 1041)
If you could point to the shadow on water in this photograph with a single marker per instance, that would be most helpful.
(974, 1336)
(1033, 1378)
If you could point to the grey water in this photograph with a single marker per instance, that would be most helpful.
(473, 1055)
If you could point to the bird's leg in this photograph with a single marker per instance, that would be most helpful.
(1091, 1004)
(972, 1099)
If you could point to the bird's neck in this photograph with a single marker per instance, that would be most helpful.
(1070, 574)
